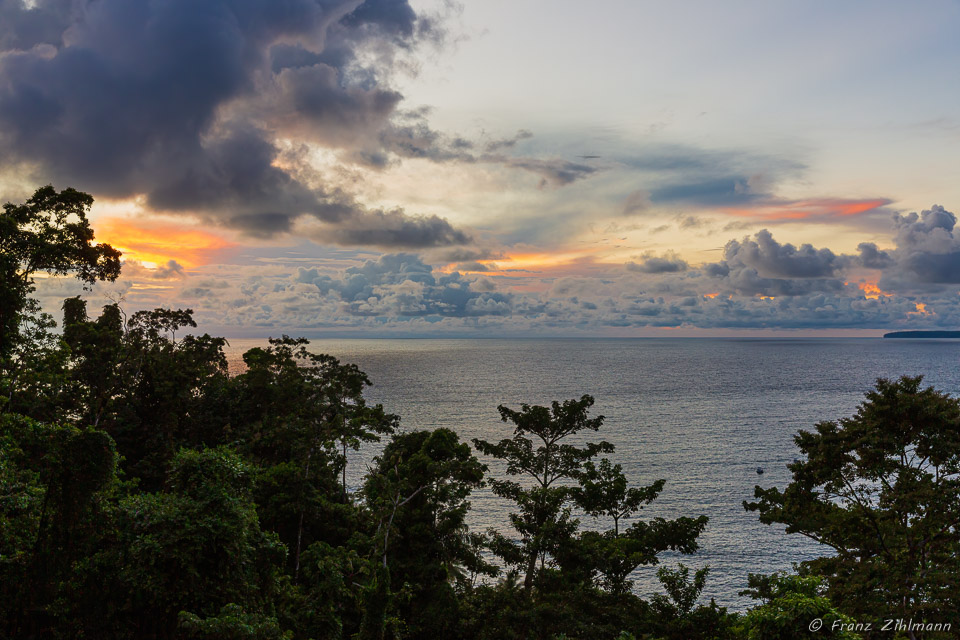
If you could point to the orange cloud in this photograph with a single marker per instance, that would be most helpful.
(159, 243)
(817, 208)
(872, 291)
(921, 310)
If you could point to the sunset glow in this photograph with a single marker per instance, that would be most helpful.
(807, 209)
(872, 292)
(155, 244)
(365, 173)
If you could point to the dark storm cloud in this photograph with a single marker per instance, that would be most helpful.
(23, 27)
(182, 101)
(395, 229)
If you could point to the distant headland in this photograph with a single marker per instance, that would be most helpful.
(923, 334)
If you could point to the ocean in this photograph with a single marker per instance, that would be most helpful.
(703, 414)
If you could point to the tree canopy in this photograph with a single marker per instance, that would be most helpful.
(49, 232)
(881, 490)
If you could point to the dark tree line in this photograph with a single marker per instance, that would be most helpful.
(145, 493)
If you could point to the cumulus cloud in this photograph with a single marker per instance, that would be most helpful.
(872, 257)
(402, 285)
(761, 266)
(669, 263)
(760, 283)
(770, 258)
(927, 247)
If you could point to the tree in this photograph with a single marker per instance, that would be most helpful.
(676, 618)
(196, 546)
(49, 232)
(418, 494)
(615, 554)
(544, 521)
(882, 490)
(296, 411)
(791, 604)
(152, 393)
(52, 483)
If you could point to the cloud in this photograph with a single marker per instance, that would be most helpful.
(669, 263)
(872, 257)
(414, 138)
(402, 285)
(636, 202)
(171, 270)
(507, 143)
(185, 103)
(393, 229)
(554, 171)
(734, 182)
(927, 251)
(772, 209)
(761, 266)
(770, 258)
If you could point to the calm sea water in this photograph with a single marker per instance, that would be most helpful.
(701, 413)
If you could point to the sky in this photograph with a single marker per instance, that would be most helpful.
(500, 168)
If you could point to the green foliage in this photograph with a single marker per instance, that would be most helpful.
(615, 554)
(232, 623)
(544, 520)
(197, 546)
(683, 591)
(296, 413)
(604, 491)
(793, 604)
(882, 490)
(417, 494)
(53, 481)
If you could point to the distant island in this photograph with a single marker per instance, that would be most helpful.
(923, 334)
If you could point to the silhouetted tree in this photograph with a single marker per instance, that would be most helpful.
(49, 232)
(882, 490)
(536, 453)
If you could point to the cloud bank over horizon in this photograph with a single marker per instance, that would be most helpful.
(312, 165)
(757, 284)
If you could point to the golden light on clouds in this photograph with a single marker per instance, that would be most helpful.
(921, 310)
(156, 244)
(872, 292)
(807, 209)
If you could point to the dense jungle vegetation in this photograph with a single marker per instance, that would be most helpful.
(145, 493)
